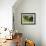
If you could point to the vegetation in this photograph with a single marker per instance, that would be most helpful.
(28, 18)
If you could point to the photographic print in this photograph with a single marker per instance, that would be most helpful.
(28, 18)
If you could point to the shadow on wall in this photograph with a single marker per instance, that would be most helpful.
(17, 24)
(17, 4)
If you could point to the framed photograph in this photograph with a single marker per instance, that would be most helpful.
(28, 18)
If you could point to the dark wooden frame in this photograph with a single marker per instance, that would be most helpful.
(33, 14)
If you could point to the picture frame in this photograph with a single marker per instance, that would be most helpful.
(28, 18)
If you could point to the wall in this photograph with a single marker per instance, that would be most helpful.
(32, 32)
(43, 22)
(6, 13)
